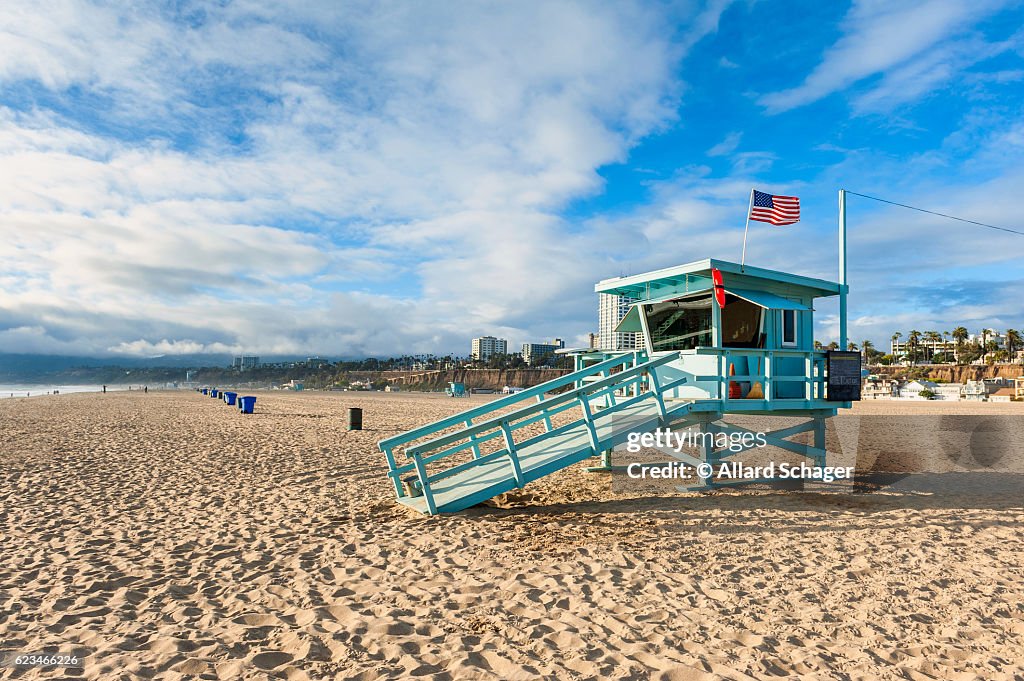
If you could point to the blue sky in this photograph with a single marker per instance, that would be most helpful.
(387, 178)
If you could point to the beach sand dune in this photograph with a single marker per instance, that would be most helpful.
(167, 536)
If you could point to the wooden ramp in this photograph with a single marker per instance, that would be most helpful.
(613, 398)
(493, 477)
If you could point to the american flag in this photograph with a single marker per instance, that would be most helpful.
(778, 210)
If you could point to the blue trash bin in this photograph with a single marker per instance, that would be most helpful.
(229, 398)
(206, 391)
(214, 393)
(246, 404)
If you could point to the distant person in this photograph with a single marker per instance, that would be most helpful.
(104, 390)
(146, 389)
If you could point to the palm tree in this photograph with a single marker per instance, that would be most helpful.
(1013, 341)
(934, 337)
(960, 335)
(867, 346)
(992, 348)
(895, 339)
(913, 339)
(850, 345)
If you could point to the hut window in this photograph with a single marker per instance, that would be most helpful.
(789, 328)
(680, 324)
(741, 323)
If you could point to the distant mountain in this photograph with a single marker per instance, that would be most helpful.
(24, 367)
(15, 368)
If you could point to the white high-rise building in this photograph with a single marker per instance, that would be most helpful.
(485, 346)
(610, 311)
(245, 362)
(532, 352)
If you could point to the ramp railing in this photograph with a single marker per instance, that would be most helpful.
(471, 428)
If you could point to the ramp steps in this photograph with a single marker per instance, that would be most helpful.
(607, 419)
(538, 459)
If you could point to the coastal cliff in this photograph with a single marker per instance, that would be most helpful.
(948, 373)
(474, 379)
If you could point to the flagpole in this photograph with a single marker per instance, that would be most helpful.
(843, 286)
(743, 258)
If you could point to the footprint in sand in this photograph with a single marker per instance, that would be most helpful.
(271, 659)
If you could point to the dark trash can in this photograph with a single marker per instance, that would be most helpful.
(355, 418)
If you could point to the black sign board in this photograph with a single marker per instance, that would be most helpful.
(843, 376)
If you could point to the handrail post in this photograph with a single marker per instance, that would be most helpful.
(428, 496)
(768, 387)
(725, 387)
(656, 389)
(510, 444)
(389, 455)
(609, 398)
(547, 419)
(473, 440)
(589, 418)
(809, 373)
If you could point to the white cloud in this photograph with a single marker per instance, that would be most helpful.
(908, 42)
(727, 145)
(276, 177)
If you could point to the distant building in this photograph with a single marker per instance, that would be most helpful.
(879, 388)
(1019, 387)
(914, 388)
(486, 346)
(989, 336)
(975, 391)
(594, 341)
(245, 362)
(535, 352)
(610, 311)
(1002, 395)
(926, 349)
(948, 391)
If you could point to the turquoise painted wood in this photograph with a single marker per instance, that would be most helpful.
(442, 466)
(491, 476)
(429, 485)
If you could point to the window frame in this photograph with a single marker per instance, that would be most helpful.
(795, 342)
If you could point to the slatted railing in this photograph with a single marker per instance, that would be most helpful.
(811, 376)
(471, 428)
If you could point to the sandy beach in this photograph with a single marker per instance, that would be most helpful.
(164, 535)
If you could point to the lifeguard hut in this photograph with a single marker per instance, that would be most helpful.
(456, 389)
(719, 338)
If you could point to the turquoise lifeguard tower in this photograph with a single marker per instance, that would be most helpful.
(456, 389)
(718, 338)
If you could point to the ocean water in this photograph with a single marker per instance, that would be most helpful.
(34, 390)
